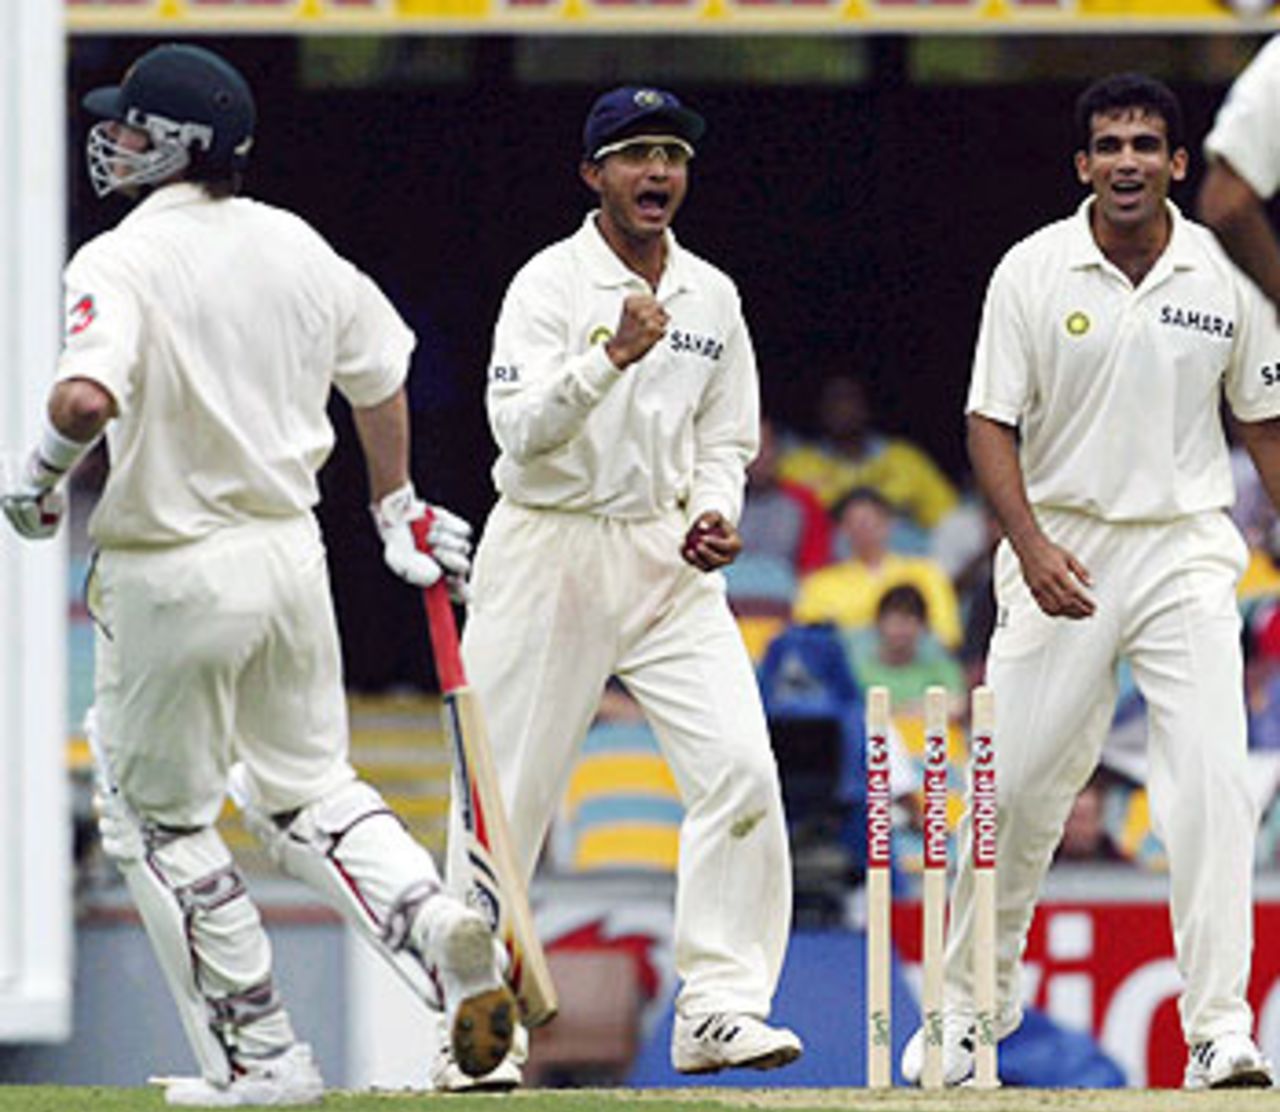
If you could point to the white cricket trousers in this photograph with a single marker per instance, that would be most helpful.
(1166, 600)
(220, 650)
(562, 601)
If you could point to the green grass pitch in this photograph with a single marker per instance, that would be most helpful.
(50, 1098)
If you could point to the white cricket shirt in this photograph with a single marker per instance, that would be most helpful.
(676, 428)
(1116, 390)
(1247, 130)
(219, 328)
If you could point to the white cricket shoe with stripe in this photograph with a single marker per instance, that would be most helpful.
(957, 1051)
(716, 1041)
(290, 1079)
(1227, 1062)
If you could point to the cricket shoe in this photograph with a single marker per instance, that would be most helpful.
(958, 1042)
(1227, 1062)
(290, 1079)
(480, 1011)
(716, 1041)
(446, 1077)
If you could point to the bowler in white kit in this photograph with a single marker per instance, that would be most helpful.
(1108, 341)
(624, 400)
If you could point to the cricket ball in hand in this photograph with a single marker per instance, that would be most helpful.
(696, 534)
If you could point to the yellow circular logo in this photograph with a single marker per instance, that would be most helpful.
(1077, 323)
(648, 98)
(601, 334)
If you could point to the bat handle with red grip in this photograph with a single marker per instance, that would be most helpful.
(440, 621)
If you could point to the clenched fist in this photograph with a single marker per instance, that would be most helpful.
(642, 324)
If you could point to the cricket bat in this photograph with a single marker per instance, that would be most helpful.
(494, 886)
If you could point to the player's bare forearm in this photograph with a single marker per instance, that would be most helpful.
(1056, 579)
(383, 430)
(1262, 441)
(993, 452)
(1228, 204)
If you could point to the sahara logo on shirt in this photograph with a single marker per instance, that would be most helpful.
(81, 315)
(601, 334)
(1197, 321)
(504, 372)
(706, 346)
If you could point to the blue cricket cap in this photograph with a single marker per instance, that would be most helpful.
(634, 110)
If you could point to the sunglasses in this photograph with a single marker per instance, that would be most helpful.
(640, 149)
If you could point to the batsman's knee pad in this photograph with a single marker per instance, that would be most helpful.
(209, 940)
(354, 850)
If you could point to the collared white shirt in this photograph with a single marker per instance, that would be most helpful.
(676, 428)
(219, 328)
(1116, 390)
(1247, 130)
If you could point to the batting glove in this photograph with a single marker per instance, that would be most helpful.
(448, 551)
(29, 498)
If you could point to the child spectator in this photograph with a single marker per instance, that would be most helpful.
(900, 654)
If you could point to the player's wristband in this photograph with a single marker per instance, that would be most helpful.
(402, 505)
(55, 456)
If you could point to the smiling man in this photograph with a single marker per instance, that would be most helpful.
(624, 400)
(1107, 341)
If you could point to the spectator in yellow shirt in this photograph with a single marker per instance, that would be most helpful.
(853, 454)
(849, 592)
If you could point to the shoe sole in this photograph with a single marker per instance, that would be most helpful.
(485, 1021)
(482, 1031)
(1245, 1079)
(771, 1060)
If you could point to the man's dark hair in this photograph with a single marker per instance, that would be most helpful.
(903, 599)
(860, 494)
(1123, 91)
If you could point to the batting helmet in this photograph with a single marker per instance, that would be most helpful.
(196, 109)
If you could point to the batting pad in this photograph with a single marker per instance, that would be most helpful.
(353, 850)
(211, 946)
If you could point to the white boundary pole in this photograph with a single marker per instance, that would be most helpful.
(35, 821)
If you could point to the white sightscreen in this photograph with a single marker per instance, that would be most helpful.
(35, 822)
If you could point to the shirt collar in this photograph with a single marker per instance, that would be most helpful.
(173, 195)
(604, 268)
(1180, 252)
